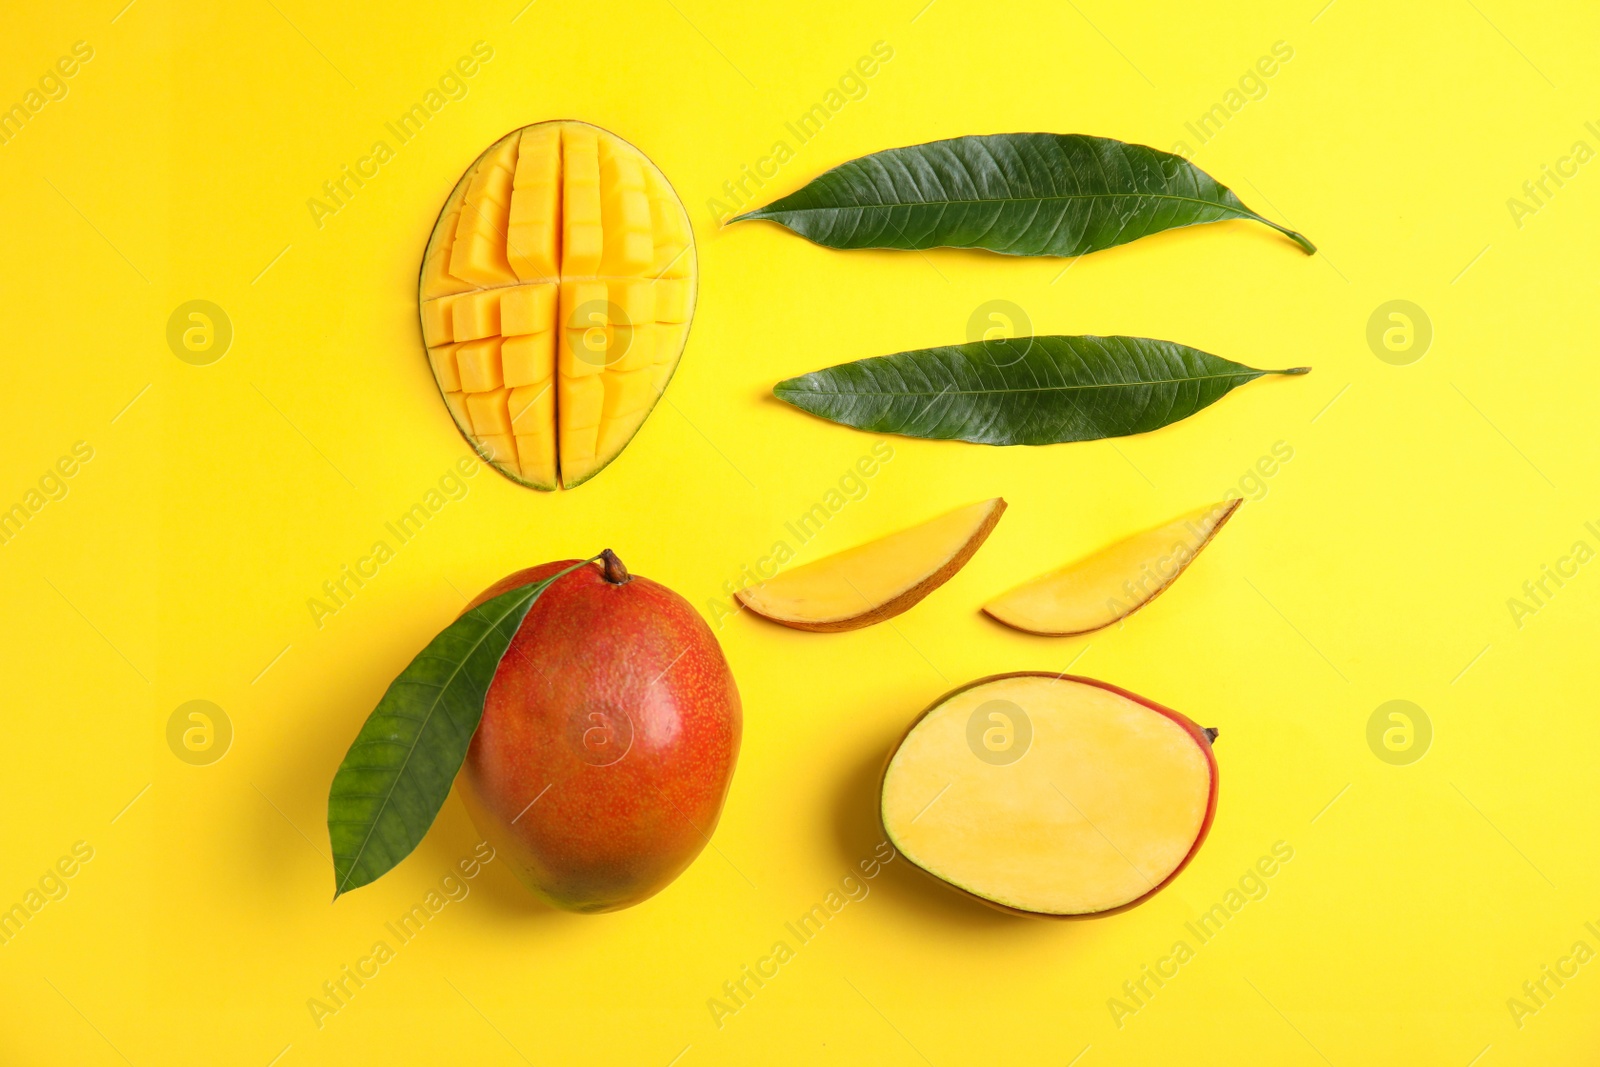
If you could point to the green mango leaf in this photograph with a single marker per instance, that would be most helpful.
(1022, 390)
(399, 769)
(1020, 194)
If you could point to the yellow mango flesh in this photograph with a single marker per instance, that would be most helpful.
(1106, 801)
(556, 293)
(877, 580)
(1113, 582)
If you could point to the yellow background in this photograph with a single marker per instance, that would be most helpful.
(1377, 566)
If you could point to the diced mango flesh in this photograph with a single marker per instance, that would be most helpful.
(556, 293)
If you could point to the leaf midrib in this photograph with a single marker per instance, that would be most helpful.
(1011, 200)
(1031, 389)
(400, 773)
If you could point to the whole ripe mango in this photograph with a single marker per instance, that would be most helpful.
(608, 739)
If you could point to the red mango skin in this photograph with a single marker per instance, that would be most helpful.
(608, 740)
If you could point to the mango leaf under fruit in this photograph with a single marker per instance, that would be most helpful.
(399, 769)
(1020, 194)
(1022, 390)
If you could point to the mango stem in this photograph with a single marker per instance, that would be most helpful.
(612, 570)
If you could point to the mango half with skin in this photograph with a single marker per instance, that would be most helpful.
(1050, 795)
(556, 293)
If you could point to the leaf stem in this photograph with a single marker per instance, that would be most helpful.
(1297, 238)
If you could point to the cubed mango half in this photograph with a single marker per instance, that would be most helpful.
(555, 298)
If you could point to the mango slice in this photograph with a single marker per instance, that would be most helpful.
(877, 580)
(1111, 584)
(555, 295)
(1048, 794)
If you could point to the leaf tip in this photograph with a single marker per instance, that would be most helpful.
(1296, 370)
